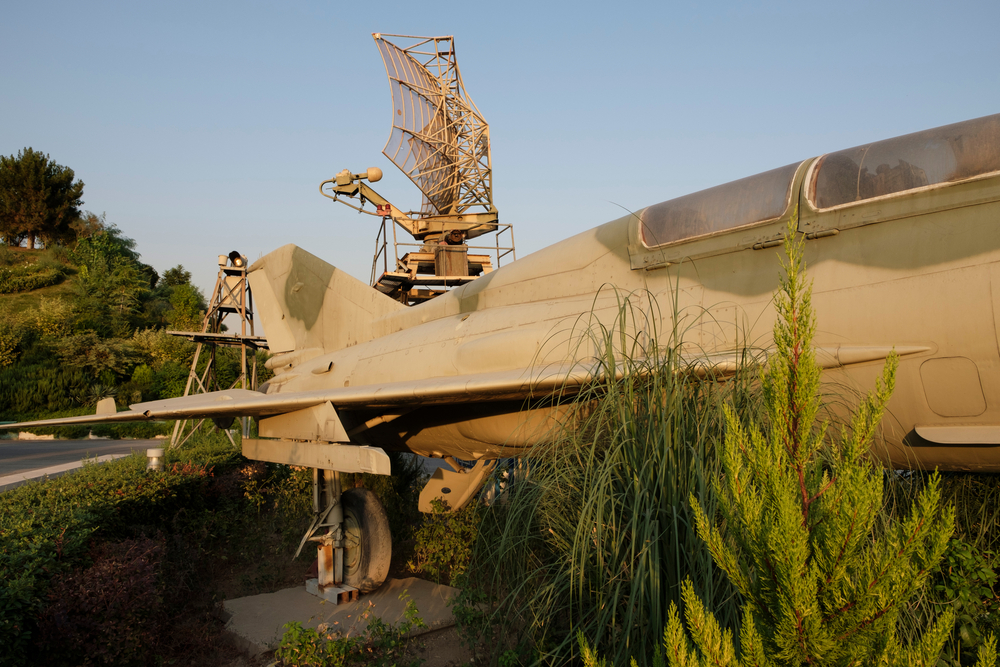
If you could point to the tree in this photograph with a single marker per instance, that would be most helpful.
(112, 284)
(89, 224)
(188, 307)
(177, 276)
(822, 581)
(38, 199)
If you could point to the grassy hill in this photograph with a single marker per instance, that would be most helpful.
(24, 274)
(82, 323)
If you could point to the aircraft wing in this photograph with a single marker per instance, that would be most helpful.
(517, 384)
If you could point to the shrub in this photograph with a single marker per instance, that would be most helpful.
(380, 645)
(30, 390)
(444, 542)
(277, 486)
(53, 317)
(797, 528)
(965, 580)
(26, 278)
(46, 528)
(107, 613)
(143, 376)
(13, 332)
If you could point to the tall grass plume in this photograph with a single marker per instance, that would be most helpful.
(600, 536)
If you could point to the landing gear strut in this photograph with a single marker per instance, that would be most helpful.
(351, 529)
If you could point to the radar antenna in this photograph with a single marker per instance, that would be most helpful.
(441, 142)
(439, 139)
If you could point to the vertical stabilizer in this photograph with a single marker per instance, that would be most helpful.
(306, 304)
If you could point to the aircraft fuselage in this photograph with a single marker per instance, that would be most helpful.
(903, 254)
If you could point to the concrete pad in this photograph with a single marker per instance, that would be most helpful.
(255, 623)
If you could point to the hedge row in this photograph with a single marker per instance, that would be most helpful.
(30, 277)
(48, 530)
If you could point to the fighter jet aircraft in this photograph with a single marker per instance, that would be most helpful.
(902, 246)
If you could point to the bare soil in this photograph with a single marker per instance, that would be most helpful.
(442, 648)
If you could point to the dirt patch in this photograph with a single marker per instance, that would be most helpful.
(441, 648)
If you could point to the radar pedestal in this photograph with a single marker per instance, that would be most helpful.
(231, 301)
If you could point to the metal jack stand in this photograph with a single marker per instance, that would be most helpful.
(231, 296)
(330, 546)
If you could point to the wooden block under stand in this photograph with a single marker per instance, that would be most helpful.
(335, 594)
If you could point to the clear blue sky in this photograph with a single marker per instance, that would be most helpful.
(203, 127)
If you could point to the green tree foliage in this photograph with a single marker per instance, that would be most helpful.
(175, 303)
(112, 285)
(91, 336)
(797, 532)
(38, 199)
(89, 224)
(97, 355)
(178, 275)
(187, 307)
(106, 244)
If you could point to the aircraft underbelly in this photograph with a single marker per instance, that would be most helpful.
(473, 431)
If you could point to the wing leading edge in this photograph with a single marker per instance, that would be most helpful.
(482, 387)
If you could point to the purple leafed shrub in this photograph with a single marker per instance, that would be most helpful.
(108, 613)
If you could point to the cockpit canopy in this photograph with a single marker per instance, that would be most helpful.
(943, 155)
(724, 207)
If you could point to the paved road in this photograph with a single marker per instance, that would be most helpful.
(21, 459)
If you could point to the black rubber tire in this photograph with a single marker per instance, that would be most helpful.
(367, 541)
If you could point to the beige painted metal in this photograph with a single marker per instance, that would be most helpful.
(439, 139)
(348, 458)
(456, 487)
(916, 269)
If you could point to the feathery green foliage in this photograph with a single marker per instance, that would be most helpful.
(966, 578)
(796, 525)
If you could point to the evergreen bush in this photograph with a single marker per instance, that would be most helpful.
(797, 531)
(109, 612)
(45, 530)
(443, 542)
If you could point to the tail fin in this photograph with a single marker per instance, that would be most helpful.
(306, 304)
